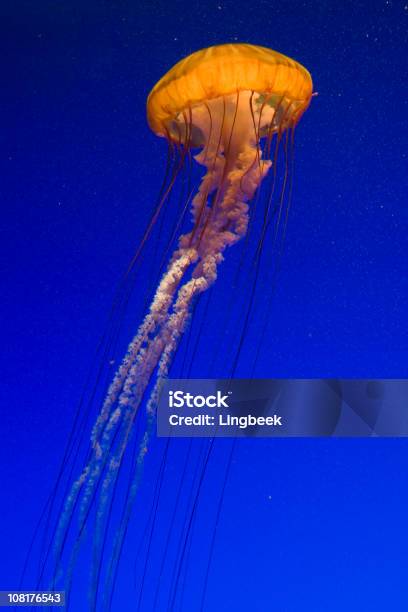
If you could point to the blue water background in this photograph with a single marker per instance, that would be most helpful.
(316, 525)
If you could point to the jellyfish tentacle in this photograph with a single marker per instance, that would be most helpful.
(119, 424)
(167, 342)
(112, 411)
(170, 337)
(233, 212)
(137, 358)
(217, 225)
(158, 310)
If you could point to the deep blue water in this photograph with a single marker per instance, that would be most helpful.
(316, 525)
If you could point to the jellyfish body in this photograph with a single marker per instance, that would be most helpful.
(219, 103)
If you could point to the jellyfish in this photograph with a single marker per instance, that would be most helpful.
(222, 105)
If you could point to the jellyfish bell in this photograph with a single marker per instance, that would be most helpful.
(224, 70)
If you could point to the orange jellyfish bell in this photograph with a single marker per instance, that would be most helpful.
(224, 70)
